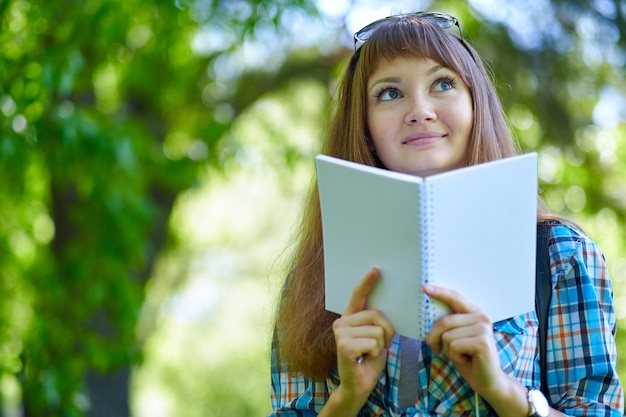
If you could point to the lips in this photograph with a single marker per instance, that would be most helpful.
(423, 138)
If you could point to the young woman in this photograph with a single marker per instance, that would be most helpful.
(416, 98)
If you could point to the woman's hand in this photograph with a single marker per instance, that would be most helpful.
(466, 338)
(362, 337)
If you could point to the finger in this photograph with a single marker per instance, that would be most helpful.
(458, 326)
(465, 337)
(454, 300)
(366, 323)
(354, 348)
(358, 300)
(457, 349)
(355, 341)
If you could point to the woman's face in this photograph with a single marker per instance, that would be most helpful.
(419, 116)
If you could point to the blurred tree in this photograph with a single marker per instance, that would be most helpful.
(108, 113)
(535, 52)
(560, 70)
(110, 109)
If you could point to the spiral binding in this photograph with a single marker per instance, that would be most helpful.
(428, 252)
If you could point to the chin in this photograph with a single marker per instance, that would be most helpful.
(425, 170)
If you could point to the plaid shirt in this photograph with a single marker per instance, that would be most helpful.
(581, 352)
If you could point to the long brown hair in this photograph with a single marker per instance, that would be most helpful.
(304, 340)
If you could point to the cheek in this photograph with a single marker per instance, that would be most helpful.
(469, 122)
(375, 126)
(469, 106)
(464, 116)
(382, 120)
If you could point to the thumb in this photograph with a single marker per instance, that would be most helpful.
(361, 292)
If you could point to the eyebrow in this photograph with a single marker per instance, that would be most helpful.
(431, 71)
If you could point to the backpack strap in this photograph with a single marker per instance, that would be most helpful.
(543, 293)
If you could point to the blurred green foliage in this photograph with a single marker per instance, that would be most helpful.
(110, 110)
(107, 115)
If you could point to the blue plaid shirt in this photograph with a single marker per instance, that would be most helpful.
(581, 352)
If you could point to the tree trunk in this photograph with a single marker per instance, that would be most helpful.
(108, 394)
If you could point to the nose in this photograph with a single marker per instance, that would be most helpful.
(421, 110)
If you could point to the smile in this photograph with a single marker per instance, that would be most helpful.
(423, 138)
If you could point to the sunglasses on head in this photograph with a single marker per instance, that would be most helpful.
(442, 20)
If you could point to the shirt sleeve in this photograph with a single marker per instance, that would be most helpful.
(293, 395)
(581, 351)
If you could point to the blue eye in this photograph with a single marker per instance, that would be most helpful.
(388, 94)
(444, 84)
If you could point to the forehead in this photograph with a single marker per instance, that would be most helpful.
(412, 38)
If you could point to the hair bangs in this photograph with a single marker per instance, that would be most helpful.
(413, 36)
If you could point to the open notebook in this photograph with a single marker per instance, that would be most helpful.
(471, 229)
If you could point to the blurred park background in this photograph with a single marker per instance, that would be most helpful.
(154, 155)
